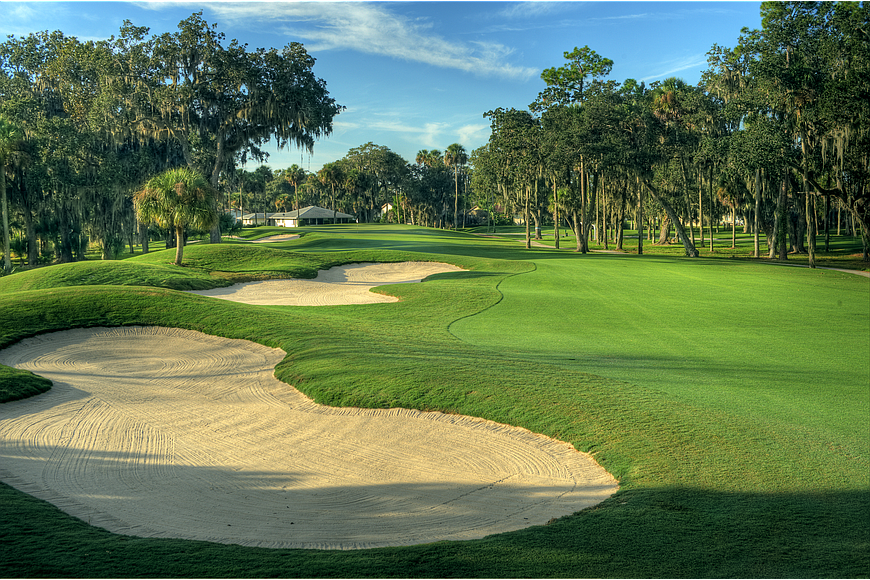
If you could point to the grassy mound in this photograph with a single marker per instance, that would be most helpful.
(205, 266)
(116, 273)
(19, 384)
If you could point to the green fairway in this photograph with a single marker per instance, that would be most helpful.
(731, 399)
(742, 337)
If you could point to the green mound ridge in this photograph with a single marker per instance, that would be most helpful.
(19, 384)
(115, 273)
(243, 262)
(206, 266)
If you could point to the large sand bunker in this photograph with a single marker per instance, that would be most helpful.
(349, 284)
(161, 432)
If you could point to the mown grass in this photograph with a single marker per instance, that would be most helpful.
(741, 445)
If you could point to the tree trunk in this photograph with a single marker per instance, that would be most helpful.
(603, 197)
(179, 244)
(827, 223)
(143, 236)
(619, 225)
(701, 207)
(755, 215)
(665, 231)
(7, 262)
(456, 200)
(577, 233)
(599, 212)
(811, 226)
(66, 255)
(710, 189)
(30, 233)
(170, 234)
(526, 219)
(555, 213)
(800, 224)
(839, 216)
(689, 247)
(639, 218)
(689, 219)
(781, 244)
(733, 227)
(584, 209)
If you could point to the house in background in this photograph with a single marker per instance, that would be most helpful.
(309, 216)
(254, 219)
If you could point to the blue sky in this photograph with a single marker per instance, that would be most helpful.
(420, 75)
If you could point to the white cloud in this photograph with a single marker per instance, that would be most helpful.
(375, 29)
(526, 10)
(344, 126)
(22, 18)
(23, 12)
(473, 134)
(678, 65)
(429, 134)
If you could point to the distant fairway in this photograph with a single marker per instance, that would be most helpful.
(771, 343)
(728, 397)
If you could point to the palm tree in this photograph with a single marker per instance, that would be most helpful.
(10, 142)
(428, 158)
(281, 202)
(294, 176)
(453, 157)
(178, 198)
(331, 175)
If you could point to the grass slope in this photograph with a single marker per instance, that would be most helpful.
(723, 474)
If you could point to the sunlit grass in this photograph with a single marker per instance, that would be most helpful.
(728, 396)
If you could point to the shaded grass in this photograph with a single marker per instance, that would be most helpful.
(709, 489)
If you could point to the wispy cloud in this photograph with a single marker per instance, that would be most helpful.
(678, 65)
(22, 18)
(375, 29)
(428, 134)
(474, 133)
(23, 11)
(641, 16)
(526, 10)
(709, 9)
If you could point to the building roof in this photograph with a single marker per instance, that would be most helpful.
(312, 212)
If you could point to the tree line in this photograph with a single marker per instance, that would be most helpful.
(84, 124)
(364, 182)
(776, 134)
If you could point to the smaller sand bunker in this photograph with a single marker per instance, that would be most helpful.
(276, 238)
(159, 432)
(349, 284)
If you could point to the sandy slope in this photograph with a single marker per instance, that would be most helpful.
(173, 433)
(349, 284)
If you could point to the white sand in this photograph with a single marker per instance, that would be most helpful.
(270, 239)
(349, 284)
(169, 433)
(276, 238)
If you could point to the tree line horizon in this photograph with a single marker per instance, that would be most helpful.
(775, 134)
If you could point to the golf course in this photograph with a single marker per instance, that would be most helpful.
(640, 415)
